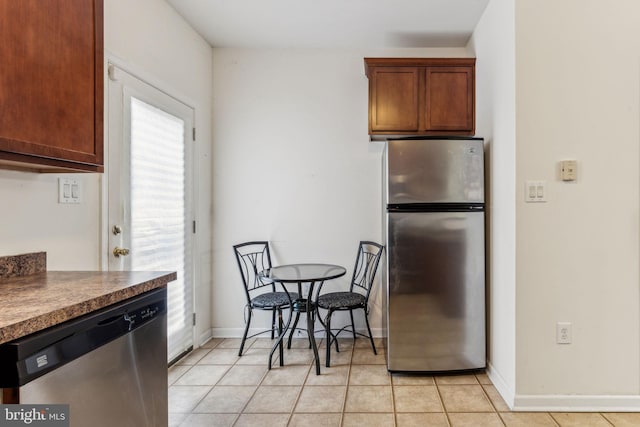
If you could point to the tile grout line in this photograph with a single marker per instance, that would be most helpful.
(201, 399)
(353, 351)
(346, 389)
(602, 414)
(393, 394)
(205, 395)
(235, 421)
(293, 408)
(486, 395)
(552, 419)
(393, 400)
(237, 416)
(444, 408)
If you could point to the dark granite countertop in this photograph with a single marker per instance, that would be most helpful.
(36, 301)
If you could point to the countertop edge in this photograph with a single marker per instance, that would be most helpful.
(51, 318)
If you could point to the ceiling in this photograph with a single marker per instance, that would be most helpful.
(333, 23)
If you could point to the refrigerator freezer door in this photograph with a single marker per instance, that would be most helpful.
(436, 291)
(435, 171)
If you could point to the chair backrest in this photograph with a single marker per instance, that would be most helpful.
(367, 261)
(252, 257)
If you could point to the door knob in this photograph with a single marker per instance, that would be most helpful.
(120, 251)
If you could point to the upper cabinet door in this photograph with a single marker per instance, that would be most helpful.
(394, 99)
(449, 99)
(51, 82)
(421, 96)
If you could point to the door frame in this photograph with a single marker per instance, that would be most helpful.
(105, 250)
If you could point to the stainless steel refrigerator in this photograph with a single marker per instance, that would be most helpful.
(435, 266)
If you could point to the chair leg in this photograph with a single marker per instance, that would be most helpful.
(273, 323)
(313, 321)
(279, 342)
(295, 324)
(281, 346)
(327, 323)
(324, 326)
(335, 340)
(366, 319)
(353, 327)
(246, 332)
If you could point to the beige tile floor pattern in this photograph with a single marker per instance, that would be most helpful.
(214, 387)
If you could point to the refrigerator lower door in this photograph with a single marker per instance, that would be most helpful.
(435, 291)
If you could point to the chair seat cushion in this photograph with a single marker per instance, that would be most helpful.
(273, 299)
(337, 300)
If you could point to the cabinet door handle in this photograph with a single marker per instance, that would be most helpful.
(117, 252)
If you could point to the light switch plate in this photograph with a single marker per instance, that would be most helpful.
(535, 191)
(69, 191)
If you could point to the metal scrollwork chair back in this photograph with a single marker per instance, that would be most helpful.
(254, 257)
(364, 273)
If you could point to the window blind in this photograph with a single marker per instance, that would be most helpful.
(160, 218)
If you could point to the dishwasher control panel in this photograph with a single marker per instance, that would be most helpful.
(139, 317)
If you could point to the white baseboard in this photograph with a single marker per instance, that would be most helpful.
(576, 403)
(229, 332)
(507, 393)
(237, 332)
(204, 337)
(561, 402)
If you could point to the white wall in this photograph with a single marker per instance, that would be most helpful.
(493, 43)
(578, 97)
(152, 39)
(149, 39)
(293, 163)
(32, 220)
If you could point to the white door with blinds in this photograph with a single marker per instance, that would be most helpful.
(150, 213)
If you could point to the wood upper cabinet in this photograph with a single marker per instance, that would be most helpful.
(51, 85)
(393, 100)
(449, 99)
(421, 96)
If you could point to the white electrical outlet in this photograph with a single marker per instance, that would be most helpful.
(563, 333)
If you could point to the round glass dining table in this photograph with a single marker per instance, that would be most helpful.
(299, 274)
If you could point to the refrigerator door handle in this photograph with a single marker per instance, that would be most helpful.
(435, 207)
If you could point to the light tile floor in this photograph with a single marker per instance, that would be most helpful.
(212, 386)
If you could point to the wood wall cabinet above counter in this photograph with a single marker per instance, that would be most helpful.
(421, 96)
(51, 85)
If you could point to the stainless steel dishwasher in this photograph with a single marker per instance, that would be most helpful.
(110, 366)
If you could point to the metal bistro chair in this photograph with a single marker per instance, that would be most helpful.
(253, 257)
(357, 297)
